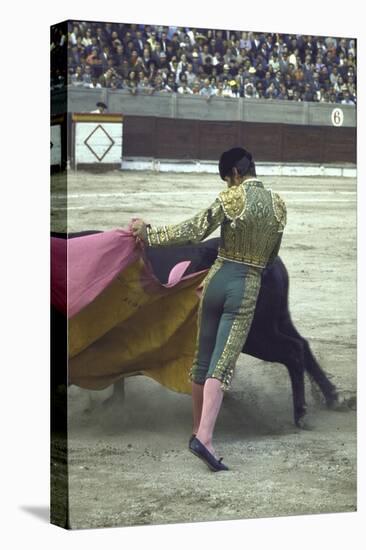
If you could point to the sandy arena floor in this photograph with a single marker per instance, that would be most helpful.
(130, 465)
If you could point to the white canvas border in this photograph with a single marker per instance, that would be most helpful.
(25, 449)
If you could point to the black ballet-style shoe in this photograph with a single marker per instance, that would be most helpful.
(198, 449)
(191, 439)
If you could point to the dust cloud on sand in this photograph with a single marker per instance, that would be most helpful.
(128, 461)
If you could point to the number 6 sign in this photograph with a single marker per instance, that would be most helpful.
(337, 117)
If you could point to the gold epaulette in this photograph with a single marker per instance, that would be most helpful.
(233, 201)
(279, 208)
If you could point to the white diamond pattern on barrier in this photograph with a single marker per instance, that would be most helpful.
(99, 142)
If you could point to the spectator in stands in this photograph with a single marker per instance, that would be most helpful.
(283, 62)
(315, 82)
(228, 56)
(212, 46)
(101, 108)
(351, 75)
(104, 54)
(182, 62)
(155, 54)
(274, 62)
(343, 69)
(242, 56)
(260, 72)
(299, 76)
(226, 90)
(337, 86)
(170, 85)
(190, 74)
(342, 47)
(324, 77)
(267, 79)
(213, 84)
(271, 92)
(218, 89)
(74, 57)
(87, 76)
(159, 84)
(353, 94)
(184, 88)
(95, 63)
(131, 83)
(277, 80)
(249, 91)
(152, 40)
(164, 65)
(164, 42)
(144, 86)
(173, 68)
(256, 43)
(233, 68)
(77, 77)
(225, 72)
(294, 57)
(264, 52)
(333, 77)
(352, 48)
(308, 94)
(288, 81)
(108, 59)
(282, 93)
(319, 64)
(206, 91)
(74, 35)
(139, 42)
(196, 87)
(217, 62)
(324, 96)
(332, 98)
(133, 57)
(208, 66)
(281, 44)
(259, 90)
(195, 60)
(87, 40)
(205, 54)
(219, 42)
(244, 41)
(95, 83)
(235, 46)
(146, 58)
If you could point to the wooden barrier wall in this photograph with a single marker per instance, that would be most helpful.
(167, 138)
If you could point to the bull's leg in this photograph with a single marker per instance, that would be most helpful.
(293, 358)
(328, 389)
(298, 394)
(331, 395)
(276, 347)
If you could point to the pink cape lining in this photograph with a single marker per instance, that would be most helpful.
(82, 267)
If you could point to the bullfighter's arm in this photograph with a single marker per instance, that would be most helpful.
(189, 231)
(281, 216)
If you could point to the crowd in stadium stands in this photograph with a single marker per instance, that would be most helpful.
(146, 59)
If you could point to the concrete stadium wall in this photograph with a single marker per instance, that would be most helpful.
(167, 127)
(181, 139)
(179, 106)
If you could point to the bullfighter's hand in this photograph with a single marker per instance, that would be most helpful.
(139, 230)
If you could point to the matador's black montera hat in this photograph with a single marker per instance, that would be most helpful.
(235, 158)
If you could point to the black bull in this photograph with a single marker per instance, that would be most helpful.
(272, 336)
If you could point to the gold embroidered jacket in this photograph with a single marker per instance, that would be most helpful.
(252, 220)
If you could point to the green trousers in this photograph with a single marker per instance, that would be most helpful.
(225, 314)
